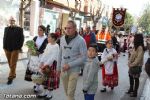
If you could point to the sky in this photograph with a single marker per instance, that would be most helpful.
(134, 7)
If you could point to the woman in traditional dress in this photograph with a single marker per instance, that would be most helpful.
(41, 43)
(109, 67)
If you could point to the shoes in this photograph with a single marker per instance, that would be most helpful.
(48, 98)
(36, 91)
(36, 88)
(133, 94)
(10, 81)
(103, 90)
(41, 96)
(129, 91)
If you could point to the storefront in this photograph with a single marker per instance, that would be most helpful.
(51, 18)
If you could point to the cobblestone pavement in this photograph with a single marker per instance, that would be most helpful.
(21, 87)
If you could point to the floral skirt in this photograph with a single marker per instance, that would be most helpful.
(110, 80)
(52, 79)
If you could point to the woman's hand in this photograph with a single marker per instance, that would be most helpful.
(129, 65)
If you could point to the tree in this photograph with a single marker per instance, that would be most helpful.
(144, 20)
(129, 20)
(23, 6)
(77, 6)
(98, 14)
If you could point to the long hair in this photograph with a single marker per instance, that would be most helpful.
(138, 41)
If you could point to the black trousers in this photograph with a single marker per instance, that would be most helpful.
(134, 83)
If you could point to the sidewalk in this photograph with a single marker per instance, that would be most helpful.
(22, 87)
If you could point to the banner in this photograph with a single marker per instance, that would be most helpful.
(118, 16)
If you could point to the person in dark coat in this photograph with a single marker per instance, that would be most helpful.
(47, 30)
(12, 42)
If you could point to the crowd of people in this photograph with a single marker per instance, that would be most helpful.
(66, 56)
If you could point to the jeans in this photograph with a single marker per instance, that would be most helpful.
(89, 96)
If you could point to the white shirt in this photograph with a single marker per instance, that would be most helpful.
(109, 65)
(50, 54)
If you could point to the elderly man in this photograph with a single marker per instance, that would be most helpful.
(12, 43)
(72, 55)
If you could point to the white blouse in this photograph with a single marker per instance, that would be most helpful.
(50, 54)
(39, 41)
(109, 64)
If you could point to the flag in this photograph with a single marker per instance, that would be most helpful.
(118, 16)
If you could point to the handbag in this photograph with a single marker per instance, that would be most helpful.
(38, 78)
(135, 70)
(147, 67)
(28, 74)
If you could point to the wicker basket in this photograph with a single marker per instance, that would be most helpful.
(38, 78)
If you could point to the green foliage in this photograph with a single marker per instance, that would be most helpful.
(31, 46)
(144, 20)
(129, 20)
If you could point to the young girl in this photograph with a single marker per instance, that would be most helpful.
(48, 62)
(90, 73)
(109, 69)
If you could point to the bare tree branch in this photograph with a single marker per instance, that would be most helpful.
(27, 5)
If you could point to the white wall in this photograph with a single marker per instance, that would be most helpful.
(34, 17)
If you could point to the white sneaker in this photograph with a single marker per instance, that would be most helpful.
(49, 94)
(42, 95)
(37, 88)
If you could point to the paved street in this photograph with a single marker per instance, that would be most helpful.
(21, 87)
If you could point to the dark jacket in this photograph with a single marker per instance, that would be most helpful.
(13, 38)
(43, 46)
